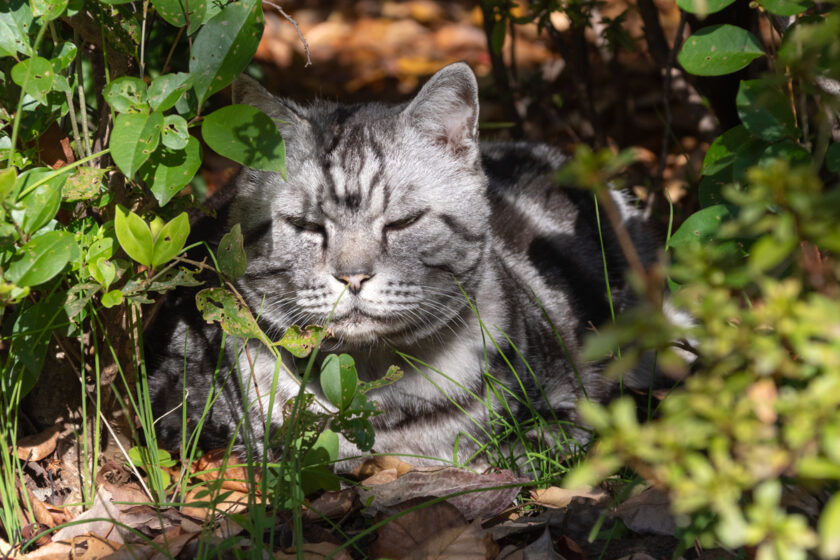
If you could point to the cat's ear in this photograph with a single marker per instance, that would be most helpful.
(247, 91)
(447, 108)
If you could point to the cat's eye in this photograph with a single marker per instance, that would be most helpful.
(304, 224)
(403, 222)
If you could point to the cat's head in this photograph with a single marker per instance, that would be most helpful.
(384, 203)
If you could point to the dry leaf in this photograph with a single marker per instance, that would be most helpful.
(236, 477)
(315, 551)
(437, 531)
(379, 463)
(91, 547)
(542, 549)
(53, 551)
(204, 502)
(92, 522)
(648, 512)
(38, 446)
(382, 477)
(555, 497)
(332, 505)
(440, 482)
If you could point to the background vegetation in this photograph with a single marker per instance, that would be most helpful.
(109, 108)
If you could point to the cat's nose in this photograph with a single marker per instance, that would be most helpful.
(354, 281)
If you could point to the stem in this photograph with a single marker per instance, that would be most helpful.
(82, 100)
(16, 124)
(143, 39)
(172, 51)
(71, 109)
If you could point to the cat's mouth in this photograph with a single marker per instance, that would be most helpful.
(361, 327)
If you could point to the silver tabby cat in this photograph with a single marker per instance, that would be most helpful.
(405, 211)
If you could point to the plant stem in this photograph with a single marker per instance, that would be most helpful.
(19, 110)
(71, 110)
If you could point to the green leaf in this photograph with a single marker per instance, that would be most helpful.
(217, 304)
(224, 46)
(171, 239)
(339, 379)
(127, 95)
(15, 24)
(112, 298)
(134, 139)
(40, 206)
(703, 7)
(701, 225)
(175, 133)
(393, 374)
(85, 183)
(765, 111)
(719, 49)
(301, 342)
(710, 189)
(63, 55)
(788, 150)
(31, 337)
(167, 89)
(231, 254)
(134, 236)
(497, 36)
(832, 158)
(8, 178)
(722, 152)
(35, 76)
(48, 9)
(246, 135)
(829, 529)
(785, 7)
(42, 258)
(169, 171)
(769, 252)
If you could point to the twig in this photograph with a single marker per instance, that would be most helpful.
(172, 50)
(291, 20)
(666, 98)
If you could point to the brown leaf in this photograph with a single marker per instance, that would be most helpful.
(93, 521)
(53, 551)
(204, 503)
(437, 531)
(314, 551)
(213, 466)
(555, 497)
(379, 463)
(382, 477)
(648, 512)
(440, 482)
(542, 548)
(332, 505)
(38, 446)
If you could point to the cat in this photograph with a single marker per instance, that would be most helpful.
(430, 234)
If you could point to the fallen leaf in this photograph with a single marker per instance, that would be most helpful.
(52, 551)
(379, 463)
(94, 521)
(203, 503)
(555, 497)
(437, 531)
(38, 446)
(314, 551)
(215, 465)
(332, 505)
(91, 547)
(648, 512)
(439, 482)
(542, 548)
(382, 477)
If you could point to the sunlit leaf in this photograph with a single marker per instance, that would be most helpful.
(246, 135)
(719, 49)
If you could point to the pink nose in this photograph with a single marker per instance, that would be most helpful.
(353, 281)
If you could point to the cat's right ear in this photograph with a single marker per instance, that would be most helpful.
(247, 91)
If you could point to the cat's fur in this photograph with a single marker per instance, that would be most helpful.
(407, 206)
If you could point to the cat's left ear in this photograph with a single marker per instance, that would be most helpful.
(447, 108)
(248, 91)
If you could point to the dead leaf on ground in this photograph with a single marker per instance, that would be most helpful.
(648, 512)
(38, 446)
(315, 551)
(440, 482)
(379, 463)
(332, 505)
(94, 521)
(214, 465)
(437, 531)
(542, 548)
(555, 497)
(53, 551)
(202, 502)
(382, 477)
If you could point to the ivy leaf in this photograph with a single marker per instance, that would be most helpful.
(719, 49)
(35, 76)
(63, 55)
(765, 111)
(224, 46)
(169, 171)
(167, 89)
(703, 224)
(42, 258)
(723, 150)
(127, 95)
(231, 253)
(217, 304)
(703, 7)
(48, 9)
(40, 206)
(246, 135)
(134, 236)
(339, 379)
(171, 239)
(134, 139)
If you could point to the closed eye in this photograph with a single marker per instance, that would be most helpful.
(403, 223)
(305, 225)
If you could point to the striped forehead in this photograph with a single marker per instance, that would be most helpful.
(353, 169)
